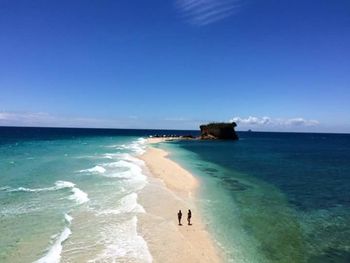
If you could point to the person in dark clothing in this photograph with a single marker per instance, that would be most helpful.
(179, 216)
(189, 215)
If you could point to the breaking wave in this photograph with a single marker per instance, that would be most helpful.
(123, 241)
(77, 194)
(138, 146)
(128, 204)
(53, 254)
(95, 169)
(58, 185)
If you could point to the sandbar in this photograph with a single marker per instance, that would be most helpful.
(172, 188)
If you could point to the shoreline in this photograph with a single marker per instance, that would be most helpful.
(172, 188)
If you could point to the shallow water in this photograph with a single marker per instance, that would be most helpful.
(71, 195)
(275, 197)
(71, 199)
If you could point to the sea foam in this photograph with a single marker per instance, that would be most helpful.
(68, 218)
(122, 241)
(58, 185)
(95, 169)
(54, 252)
(125, 167)
(77, 194)
(128, 204)
(138, 146)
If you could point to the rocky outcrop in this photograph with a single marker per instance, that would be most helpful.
(224, 131)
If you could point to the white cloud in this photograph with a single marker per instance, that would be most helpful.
(41, 119)
(176, 119)
(273, 122)
(24, 117)
(47, 120)
(204, 12)
(251, 120)
(301, 122)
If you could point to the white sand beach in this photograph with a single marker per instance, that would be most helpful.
(173, 188)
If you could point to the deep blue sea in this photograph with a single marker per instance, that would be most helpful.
(71, 195)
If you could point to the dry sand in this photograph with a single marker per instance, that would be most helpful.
(172, 188)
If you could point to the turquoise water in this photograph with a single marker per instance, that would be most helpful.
(76, 191)
(274, 197)
(71, 195)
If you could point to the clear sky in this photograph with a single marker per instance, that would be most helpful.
(269, 65)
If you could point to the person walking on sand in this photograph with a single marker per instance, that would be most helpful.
(189, 215)
(179, 216)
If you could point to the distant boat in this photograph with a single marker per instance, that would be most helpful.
(249, 130)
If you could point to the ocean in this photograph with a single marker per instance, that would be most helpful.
(274, 197)
(71, 195)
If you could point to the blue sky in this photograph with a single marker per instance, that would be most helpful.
(269, 65)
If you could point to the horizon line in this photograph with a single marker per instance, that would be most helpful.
(149, 129)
